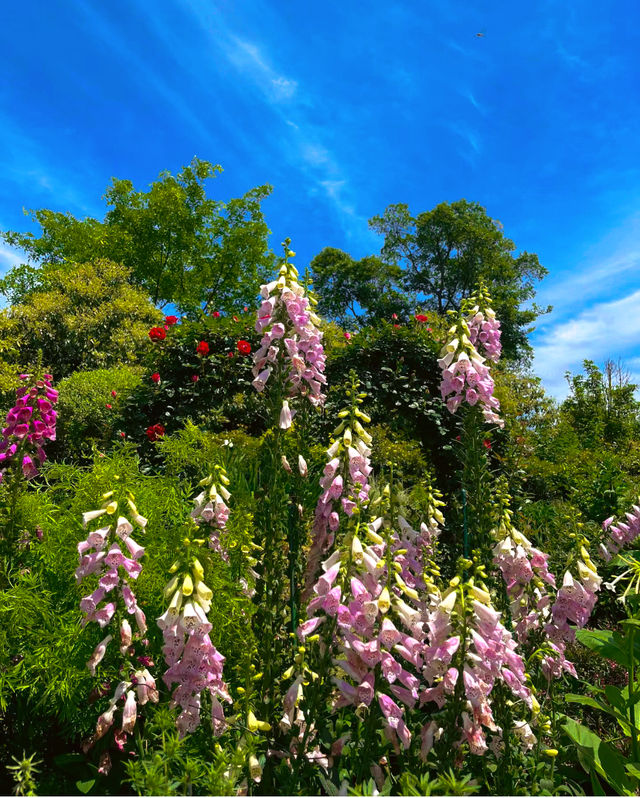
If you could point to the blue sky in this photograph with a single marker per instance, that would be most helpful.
(345, 108)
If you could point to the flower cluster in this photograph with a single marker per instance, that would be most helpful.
(157, 333)
(286, 317)
(574, 603)
(344, 482)
(101, 553)
(620, 533)
(484, 328)
(211, 508)
(30, 422)
(155, 431)
(525, 571)
(465, 375)
(194, 663)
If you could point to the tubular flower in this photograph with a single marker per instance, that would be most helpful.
(524, 570)
(490, 657)
(345, 484)
(574, 602)
(211, 508)
(371, 595)
(111, 552)
(465, 375)
(194, 663)
(484, 328)
(620, 533)
(291, 339)
(29, 424)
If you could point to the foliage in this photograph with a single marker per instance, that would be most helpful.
(177, 244)
(601, 406)
(212, 390)
(445, 252)
(83, 316)
(359, 291)
(90, 413)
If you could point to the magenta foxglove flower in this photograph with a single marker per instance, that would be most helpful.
(29, 424)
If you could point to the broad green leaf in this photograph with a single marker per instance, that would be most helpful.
(85, 786)
(633, 769)
(607, 761)
(606, 643)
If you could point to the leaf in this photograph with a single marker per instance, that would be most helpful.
(633, 769)
(615, 697)
(588, 701)
(85, 786)
(607, 761)
(605, 643)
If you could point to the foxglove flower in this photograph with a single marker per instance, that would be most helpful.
(194, 663)
(484, 328)
(29, 424)
(102, 553)
(291, 340)
(211, 507)
(465, 375)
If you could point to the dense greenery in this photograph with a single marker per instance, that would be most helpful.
(151, 405)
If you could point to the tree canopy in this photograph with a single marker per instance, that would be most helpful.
(358, 290)
(179, 246)
(88, 316)
(434, 259)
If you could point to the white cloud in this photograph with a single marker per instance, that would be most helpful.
(605, 330)
(9, 258)
(250, 59)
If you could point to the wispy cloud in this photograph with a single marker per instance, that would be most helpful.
(302, 143)
(605, 269)
(9, 258)
(248, 58)
(607, 329)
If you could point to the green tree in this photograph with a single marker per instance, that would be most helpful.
(179, 245)
(601, 406)
(358, 290)
(85, 316)
(443, 252)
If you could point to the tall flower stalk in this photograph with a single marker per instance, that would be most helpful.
(29, 424)
(112, 603)
(194, 664)
(289, 369)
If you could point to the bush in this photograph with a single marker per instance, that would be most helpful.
(89, 415)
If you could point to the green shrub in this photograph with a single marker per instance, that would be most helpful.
(88, 413)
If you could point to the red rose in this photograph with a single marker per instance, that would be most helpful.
(394, 316)
(195, 378)
(203, 348)
(421, 317)
(244, 347)
(486, 443)
(230, 354)
(245, 308)
(170, 320)
(235, 318)
(157, 333)
(216, 314)
(155, 378)
(114, 394)
(122, 435)
(108, 407)
(155, 432)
